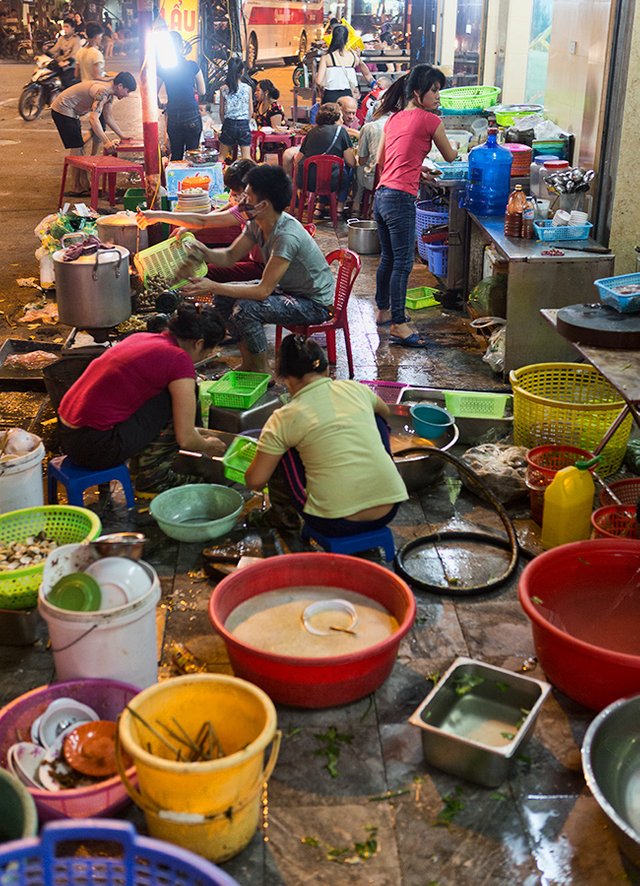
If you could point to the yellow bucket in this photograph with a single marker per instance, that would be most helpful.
(212, 807)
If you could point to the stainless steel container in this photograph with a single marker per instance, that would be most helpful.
(476, 720)
(417, 470)
(121, 229)
(611, 764)
(363, 237)
(472, 430)
(93, 291)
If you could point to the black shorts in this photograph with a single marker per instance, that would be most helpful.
(69, 129)
(235, 132)
(332, 95)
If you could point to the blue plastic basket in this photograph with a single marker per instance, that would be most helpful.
(451, 171)
(438, 258)
(428, 214)
(547, 231)
(608, 289)
(141, 861)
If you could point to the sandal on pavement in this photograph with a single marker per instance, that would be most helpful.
(411, 341)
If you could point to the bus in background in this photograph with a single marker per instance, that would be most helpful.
(280, 29)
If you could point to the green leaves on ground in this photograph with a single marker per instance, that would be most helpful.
(452, 805)
(330, 746)
(358, 852)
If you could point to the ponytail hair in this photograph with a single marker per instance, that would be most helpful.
(191, 323)
(299, 356)
(420, 79)
(235, 69)
(270, 88)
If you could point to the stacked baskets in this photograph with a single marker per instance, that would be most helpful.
(569, 404)
(432, 247)
(468, 99)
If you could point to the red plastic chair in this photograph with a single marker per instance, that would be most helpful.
(257, 141)
(367, 197)
(324, 165)
(348, 269)
(311, 229)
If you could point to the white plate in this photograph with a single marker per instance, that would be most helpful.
(121, 580)
(24, 760)
(61, 716)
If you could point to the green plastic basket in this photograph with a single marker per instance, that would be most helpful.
(65, 523)
(464, 98)
(238, 457)
(476, 404)
(238, 390)
(167, 259)
(421, 297)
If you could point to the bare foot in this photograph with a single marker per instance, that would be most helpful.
(383, 317)
(401, 330)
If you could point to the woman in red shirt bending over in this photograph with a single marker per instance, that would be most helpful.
(140, 393)
(406, 141)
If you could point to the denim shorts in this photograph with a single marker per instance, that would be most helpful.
(235, 132)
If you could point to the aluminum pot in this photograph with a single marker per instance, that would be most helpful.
(363, 236)
(93, 291)
(121, 229)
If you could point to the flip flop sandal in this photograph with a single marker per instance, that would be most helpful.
(411, 341)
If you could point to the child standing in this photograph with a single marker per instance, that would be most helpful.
(236, 109)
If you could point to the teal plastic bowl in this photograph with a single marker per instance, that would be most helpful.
(430, 421)
(197, 511)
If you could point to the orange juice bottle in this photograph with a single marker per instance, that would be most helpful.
(568, 503)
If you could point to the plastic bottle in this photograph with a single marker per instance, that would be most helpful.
(489, 177)
(534, 173)
(515, 208)
(568, 503)
(528, 216)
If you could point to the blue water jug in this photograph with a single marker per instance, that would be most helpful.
(489, 178)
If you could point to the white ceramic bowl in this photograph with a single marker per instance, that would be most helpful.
(60, 716)
(121, 580)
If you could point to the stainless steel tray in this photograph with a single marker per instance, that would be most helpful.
(23, 379)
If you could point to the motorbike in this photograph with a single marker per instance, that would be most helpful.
(41, 90)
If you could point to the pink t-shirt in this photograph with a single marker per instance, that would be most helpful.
(122, 379)
(407, 141)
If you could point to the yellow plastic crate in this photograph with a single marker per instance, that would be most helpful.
(168, 259)
(568, 403)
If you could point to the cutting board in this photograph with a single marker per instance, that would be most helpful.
(599, 326)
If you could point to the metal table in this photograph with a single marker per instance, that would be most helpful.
(535, 281)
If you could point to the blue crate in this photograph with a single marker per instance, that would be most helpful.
(609, 295)
(452, 171)
(547, 231)
(438, 259)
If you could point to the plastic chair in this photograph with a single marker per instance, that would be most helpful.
(97, 166)
(348, 269)
(353, 544)
(76, 480)
(324, 165)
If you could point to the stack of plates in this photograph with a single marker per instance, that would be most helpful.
(193, 200)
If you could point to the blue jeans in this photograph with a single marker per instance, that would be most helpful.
(395, 214)
(245, 318)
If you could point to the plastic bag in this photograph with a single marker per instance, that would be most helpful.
(502, 467)
(494, 355)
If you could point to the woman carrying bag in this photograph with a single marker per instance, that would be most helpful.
(337, 68)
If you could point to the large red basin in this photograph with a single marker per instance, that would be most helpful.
(314, 682)
(589, 588)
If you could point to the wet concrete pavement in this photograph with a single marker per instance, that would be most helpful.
(424, 827)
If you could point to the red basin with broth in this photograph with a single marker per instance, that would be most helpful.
(314, 682)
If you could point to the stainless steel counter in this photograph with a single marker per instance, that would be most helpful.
(535, 282)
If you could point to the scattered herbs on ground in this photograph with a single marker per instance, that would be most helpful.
(389, 795)
(525, 759)
(310, 841)
(421, 619)
(331, 742)
(358, 852)
(368, 708)
(292, 730)
(466, 683)
(452, 805)
(498, 796)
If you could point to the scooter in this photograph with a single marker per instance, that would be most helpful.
(41, 90)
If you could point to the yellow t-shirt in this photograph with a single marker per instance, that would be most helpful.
(332, 425)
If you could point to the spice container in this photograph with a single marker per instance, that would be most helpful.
(475, 721)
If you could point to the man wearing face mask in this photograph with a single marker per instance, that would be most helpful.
(296, 286)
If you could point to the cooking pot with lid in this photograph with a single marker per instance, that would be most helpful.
(363, 236)
(121, 229)
(93, 291)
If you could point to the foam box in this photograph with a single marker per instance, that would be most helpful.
(178, 170)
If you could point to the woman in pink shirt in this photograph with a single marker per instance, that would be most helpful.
(406, 141)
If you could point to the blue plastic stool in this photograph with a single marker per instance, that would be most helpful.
(76, 479)
(353, 544)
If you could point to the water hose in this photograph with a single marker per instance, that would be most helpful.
(510, 543)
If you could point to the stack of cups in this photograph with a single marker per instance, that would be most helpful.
(578, 218)
(561, 217)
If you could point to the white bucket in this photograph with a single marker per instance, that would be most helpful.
(21, 480)
(114, 644)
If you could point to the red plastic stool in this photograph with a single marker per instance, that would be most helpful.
(97, 166)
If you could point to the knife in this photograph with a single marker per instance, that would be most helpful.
(570, 246)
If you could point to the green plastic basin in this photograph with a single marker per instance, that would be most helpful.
(197, 511)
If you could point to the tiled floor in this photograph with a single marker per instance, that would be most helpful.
(539, 827)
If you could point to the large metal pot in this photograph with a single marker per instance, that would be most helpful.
(121, 229)
(417, 470)
(93, 291)
(363, 236)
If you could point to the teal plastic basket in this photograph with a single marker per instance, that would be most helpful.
(547, 231)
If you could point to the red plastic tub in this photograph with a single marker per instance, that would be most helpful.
(314, 682)
(583, 601)
(107, 698)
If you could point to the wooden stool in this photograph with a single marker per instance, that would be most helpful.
(97, 166)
